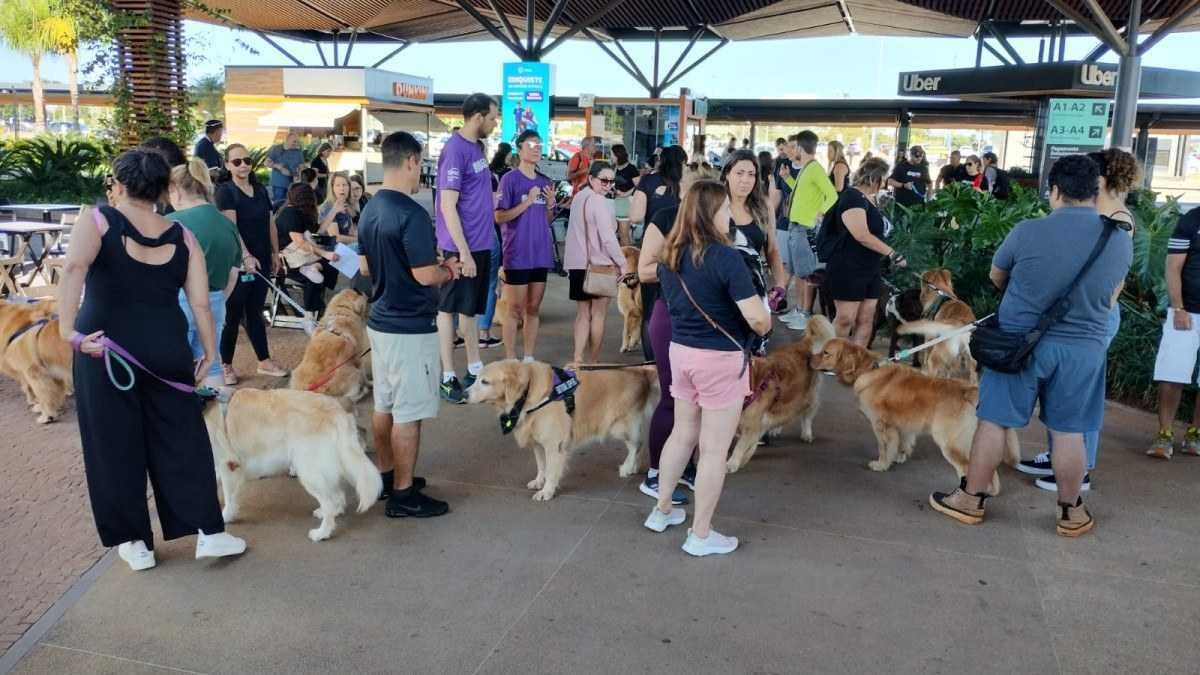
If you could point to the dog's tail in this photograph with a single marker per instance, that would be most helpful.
(820, 331)
(926, 327)
(357, 469)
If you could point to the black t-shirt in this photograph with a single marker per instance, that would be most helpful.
(396, 235)
(851, 255)
(717, 285)
(918, 175)
(1186, 240)
(253, 215)
(629, 172)
(206, 151)
(289, 220)
(953, 174)
(663, 221)
(658, 195)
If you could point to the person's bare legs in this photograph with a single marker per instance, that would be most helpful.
(844, 322)
(677, 451)
(533, 318)
(381, 432)
(406, 442)
(717, 428)
(807, 293)
(469, 326)
(1169, 395)
(987, 451)
(864, 323)
(514, 298)
(1069, 460)
(445, 329)
(596, 337)
(583, 327)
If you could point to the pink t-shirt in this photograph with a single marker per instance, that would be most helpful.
(605, 249)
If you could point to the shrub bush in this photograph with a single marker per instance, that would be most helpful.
(54, 169)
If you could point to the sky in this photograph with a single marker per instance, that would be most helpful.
(853, 66)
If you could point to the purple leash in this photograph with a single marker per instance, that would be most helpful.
(114, 351)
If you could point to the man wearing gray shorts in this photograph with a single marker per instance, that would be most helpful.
(398, 253)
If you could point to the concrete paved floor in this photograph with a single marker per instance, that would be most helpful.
(841, 570)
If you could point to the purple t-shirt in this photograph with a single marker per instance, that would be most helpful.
(462, 167)
(527, 243)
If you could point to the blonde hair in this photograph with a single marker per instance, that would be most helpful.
(192, 178)
(350, 201)
(872, 172)
(839, 154)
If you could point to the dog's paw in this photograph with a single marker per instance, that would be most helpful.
(292, 471)
(806, 436)
(536, 483)
(878, 465)
(543, 495)
(317, 513)
(732, 466)
(626, 470)
(317, 534)
(45, 419)
(229, 515)
(901, 458)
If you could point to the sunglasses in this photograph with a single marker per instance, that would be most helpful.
(606, 181)
(238, 161)
(109, 182)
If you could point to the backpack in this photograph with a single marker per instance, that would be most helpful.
(830, 236)
(1003, 187)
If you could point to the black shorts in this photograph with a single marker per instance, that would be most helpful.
(575, 279)
(536, 275)
(467, 295)
(853, 285)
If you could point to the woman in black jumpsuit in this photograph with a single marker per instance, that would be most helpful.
(132, 298)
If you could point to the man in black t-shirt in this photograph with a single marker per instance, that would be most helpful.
(399, 252)
(910, 179)
(954, 172)
(1176, 362)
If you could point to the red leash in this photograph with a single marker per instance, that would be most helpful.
(324, 379)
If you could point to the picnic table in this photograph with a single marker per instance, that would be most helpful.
(19, 233)
(46, 210)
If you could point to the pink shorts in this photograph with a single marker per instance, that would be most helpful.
(708, 377)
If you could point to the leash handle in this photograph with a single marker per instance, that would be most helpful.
(112, 350)
(906, 353)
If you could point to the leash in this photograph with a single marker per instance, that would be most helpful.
(611, 366)
(115, 352)
(306, 323)
(906, 353)
(324, 379)
(39, 324)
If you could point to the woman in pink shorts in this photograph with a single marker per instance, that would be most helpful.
(714, 307)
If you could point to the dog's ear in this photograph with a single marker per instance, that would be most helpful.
(944, 280)
(851, 360)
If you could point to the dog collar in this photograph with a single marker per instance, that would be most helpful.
(942, 299)
(565, 384)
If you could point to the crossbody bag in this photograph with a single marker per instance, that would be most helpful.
(1009, 352)
(744, 349)
(598, 280)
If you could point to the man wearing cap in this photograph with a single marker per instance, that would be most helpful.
(206, 147)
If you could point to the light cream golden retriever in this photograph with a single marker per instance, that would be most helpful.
(33, 354)
(629, 303)
(902, 403)
(783, 388)
(260, 433)
(609, 405)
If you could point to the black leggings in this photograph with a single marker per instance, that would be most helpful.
(245, 305)
(314, 294)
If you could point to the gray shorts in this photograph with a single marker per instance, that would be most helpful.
(407, 372)
(797, 247)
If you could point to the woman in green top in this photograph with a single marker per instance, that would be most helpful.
(191, 193)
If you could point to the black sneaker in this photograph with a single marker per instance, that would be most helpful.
(689, 477)
(1038, 466)
(1047, 483)
(489, 342)
(452, 391)
(387, 476)
(413, 503)
(459, 342)
(649, 487)
(468, 381)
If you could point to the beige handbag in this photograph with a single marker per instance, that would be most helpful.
(598, 280)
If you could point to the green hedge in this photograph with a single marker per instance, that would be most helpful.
(960, 229)
(54, 169)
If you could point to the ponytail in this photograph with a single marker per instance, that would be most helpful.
(193, 179)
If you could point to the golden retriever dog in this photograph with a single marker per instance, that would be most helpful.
(629, 303)
(951, 358)
(260, 433)
(336, 361)
(33, 354)
(783, 387)
(609, 405)
(902, 403)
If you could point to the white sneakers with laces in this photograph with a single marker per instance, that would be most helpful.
(714, 544)
(659, 521)
(218, 545)
(137, 555)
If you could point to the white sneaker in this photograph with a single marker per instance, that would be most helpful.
(790, 315)
(715, 544)
(218, 545)
(800, 322)
(659, 521)
(137, 555)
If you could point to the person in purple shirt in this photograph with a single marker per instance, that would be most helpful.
(465, 232)
(524, 212)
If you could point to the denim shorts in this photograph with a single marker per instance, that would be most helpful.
(216, 301)
(1066, 377)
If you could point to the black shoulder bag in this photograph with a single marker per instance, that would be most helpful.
(1009, 352)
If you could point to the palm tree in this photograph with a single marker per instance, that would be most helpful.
(22, 26)
(208, 93)
(61, 32)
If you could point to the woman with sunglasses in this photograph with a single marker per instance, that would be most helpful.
(591, 240)
(525, 207)
(975, 176)
(248, 205)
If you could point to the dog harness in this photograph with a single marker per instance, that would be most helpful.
(943, 298)
(565, 384)
(30, 326)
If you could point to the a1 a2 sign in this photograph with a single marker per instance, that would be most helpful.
(1076, 121)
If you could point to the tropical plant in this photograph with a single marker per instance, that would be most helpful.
(62, 34)
(50, 168)
(208, 95)
(23, 26)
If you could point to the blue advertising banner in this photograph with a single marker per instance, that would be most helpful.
(526, 104)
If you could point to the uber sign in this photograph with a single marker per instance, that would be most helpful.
(913, 82)
(1093, 75)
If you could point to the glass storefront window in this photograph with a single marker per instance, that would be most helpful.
(640, 128)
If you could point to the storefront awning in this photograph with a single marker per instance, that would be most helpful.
(308, 114)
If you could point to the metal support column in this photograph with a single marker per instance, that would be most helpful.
(1129, 82)
(903, 134)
